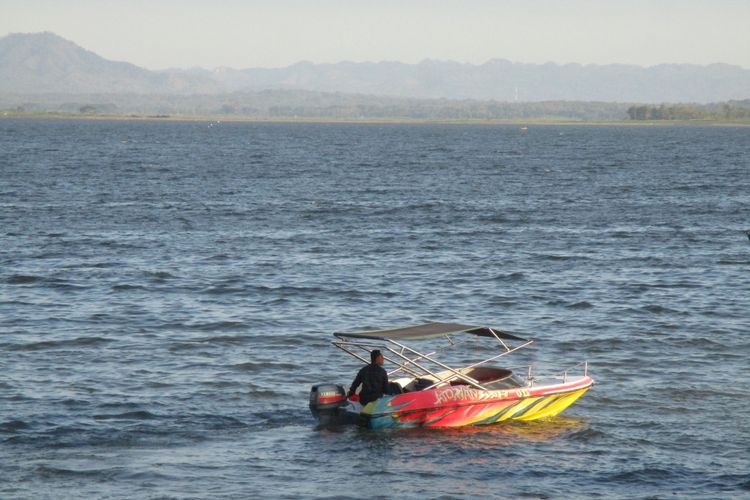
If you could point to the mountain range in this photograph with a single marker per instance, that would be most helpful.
(44, 63)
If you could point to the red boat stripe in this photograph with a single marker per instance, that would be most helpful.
(331, 399)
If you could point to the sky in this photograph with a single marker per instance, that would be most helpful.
(158, 34)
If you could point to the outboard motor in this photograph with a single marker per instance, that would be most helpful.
(325, 401)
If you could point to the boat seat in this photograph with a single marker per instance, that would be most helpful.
(421, 384)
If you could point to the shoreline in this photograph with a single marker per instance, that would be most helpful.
(364, 121)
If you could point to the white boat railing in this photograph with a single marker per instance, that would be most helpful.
(563, 375)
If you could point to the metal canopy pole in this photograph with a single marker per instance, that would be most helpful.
(403, 367)
(458, 374)
(343, 346)
(352, 353)
(345, 343)
(364, 345)
(501, 354)
(492, 358)
(498, 339)
(423, 368)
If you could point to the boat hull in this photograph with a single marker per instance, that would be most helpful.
(459, 406)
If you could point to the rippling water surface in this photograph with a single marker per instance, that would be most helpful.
(168, 292)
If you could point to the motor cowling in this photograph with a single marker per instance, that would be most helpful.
(326, 399)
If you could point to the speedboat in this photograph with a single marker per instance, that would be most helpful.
(426, 392)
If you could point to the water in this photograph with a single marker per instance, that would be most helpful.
(168, 292)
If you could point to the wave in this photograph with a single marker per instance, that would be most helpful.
(657, 309)
(66, 285)
(158, 385)
(495, 219)
(29, 279)
(49, 472)
(131, 415)
(225, 339)
(250, 366)
(663, 285)
(234, 391)
(12, 426)
(218, 257)
(559, 257)
(264, 420)
(260, 393)
(224, 290)
(222, 384)
(59, 344)
(291, 290)
(120, 245)
(645, 474)
(94, 265)
(186, 345)
(741, 480)
(588, 434)
(730, 262)
(137, 428)
(126, 287)
(516, 276)
(622, 234)
(581, 305)
(22, 279)
(209, 327)
(502, 301)
(159, 275)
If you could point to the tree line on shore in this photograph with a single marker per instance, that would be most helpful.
(731, 110)
(292, 104)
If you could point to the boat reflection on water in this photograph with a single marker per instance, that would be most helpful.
(476, 438)
(516, 432)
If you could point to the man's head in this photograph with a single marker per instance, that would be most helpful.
(376, 357)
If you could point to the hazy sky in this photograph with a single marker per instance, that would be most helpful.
(263, 33)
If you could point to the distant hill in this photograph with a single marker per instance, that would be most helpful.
(505, 81)
(44, 63)
(47, 63)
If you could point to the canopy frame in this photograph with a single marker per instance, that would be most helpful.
(418, 364)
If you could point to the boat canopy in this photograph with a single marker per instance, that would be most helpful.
(427, 331)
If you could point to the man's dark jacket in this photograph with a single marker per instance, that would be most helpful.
(374, 380)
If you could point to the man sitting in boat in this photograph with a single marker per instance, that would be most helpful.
(373, 378)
